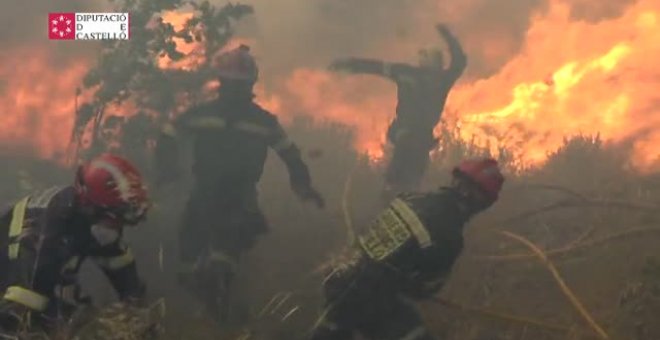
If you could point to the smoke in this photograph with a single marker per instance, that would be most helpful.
(595, 11)
(292, 33)
(23, 24)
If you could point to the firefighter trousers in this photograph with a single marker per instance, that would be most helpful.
(222, 223)
(410, 157)
(374, 313)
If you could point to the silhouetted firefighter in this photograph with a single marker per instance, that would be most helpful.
(421, 92)
(231, 137)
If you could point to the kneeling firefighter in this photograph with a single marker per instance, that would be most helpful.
(405, 254)
(47, 235)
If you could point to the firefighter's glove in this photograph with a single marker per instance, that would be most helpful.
(308, 194)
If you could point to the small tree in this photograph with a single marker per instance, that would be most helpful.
(129, 71)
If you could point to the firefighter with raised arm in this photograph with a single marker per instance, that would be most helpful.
(47, 236)
(422, 91)
(405, 254)
(231, 136)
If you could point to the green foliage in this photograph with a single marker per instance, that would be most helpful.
(129, 70)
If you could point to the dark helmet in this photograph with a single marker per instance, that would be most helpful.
(237, 64)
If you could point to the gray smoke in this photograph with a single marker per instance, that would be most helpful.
(309, 33)
(25, 24)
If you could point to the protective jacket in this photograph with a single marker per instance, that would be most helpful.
(43, 244)
(406, 252)
(230, 145)
(412, 245)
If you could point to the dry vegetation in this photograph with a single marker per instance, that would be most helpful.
(569, 251)
(593, 218)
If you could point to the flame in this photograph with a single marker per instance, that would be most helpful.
(37, 99)
(365, 104)
(601, 82)
(570, 77)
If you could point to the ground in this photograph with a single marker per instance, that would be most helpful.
(586, 208)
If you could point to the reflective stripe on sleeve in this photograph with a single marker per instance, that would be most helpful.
(26, 297)
(16, 226)
(221, 257)
(253, 128)
(415, 333)
(116, 262)
(416, 226)
(43, 200)
(283, 144)
(207, 123)
(72, 264)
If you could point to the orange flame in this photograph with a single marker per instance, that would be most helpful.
(366, 104)
(570, 77)
(602, 79)
(193, 51)
(37, 100)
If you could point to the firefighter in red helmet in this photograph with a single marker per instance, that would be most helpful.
(231, 136)
(47, 235)
(405, 254)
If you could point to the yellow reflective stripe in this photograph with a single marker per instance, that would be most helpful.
(16, 226)
(415, 333)
(416, 226)
(207, 123)
(169, 130)
(253, 128)
(116, 262)
(283, 144)
(218, 256)
(43, 199)
(26, 297)
(72, 264)
(387, 233)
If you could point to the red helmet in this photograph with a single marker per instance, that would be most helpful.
(114, 186)
(485, 172)
(238, 64)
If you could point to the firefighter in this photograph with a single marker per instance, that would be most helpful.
(422, 91)
(47, 236)
(405, 254)
(231, 136)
